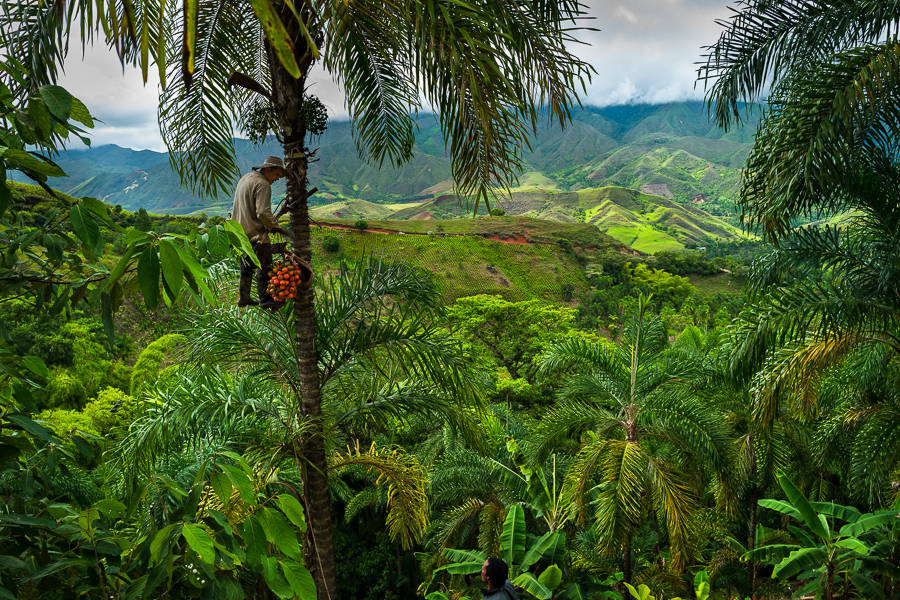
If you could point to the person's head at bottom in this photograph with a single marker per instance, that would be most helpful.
(494, 572)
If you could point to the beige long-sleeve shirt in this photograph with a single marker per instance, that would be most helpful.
(253, 206)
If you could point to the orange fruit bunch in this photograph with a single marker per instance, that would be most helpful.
(285, 281)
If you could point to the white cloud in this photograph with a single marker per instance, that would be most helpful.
(626, 14)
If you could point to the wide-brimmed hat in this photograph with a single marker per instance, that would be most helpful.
(272, 162)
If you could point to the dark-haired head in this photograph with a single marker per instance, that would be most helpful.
(495, 571)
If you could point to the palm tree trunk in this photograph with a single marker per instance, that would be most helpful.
(287, 102)
(751, 536)
(829, 583)
(626, 566)
(319, 543)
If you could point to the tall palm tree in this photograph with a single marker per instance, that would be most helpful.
(486, 67)
(646, 443)
(827, 146)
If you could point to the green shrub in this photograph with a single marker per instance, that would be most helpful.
(497, 212)
(361, 224)
(153, 360)
(110, 409)
(331, 243)
(64, 390)
(63, 422)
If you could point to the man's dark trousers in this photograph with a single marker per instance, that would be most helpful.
(263, 252)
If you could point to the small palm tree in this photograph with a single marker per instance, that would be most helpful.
(645, 443)
(382, 358)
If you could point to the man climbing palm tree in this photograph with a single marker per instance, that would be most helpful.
(253, 210)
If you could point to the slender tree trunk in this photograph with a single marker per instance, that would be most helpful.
(829, 583)
(752, 567)
(287, 102)
(626, 566)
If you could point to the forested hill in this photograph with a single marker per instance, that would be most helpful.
(670, 150)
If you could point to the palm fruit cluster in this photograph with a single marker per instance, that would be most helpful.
(285, 281)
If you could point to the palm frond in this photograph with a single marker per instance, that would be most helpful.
(621, 502)
(197, 113)
(191, 408)
(838, 116)
(371, 62)
(679, 506)
(407, 485)
(765, 42)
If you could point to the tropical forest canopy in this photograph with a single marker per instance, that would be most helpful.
(717, 420)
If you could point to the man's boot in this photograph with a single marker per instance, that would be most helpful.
(244, 286)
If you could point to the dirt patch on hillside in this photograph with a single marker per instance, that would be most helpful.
(509, 239)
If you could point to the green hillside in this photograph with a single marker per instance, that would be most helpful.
(466, 265)
(671, 145)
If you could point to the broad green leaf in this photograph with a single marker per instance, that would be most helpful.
(870, 589)
(10, 562)
(255, 540)
(86, 228)
(275, 579)
(239, 239)
(782, 507)
(527, 582)
(512, 538)
(551, 577)
(867, 522)
(123, 264)
(221, 485)
(281, 533)
(465, 555)
(58, 101)
(82, 446)
(32, 164)
(293, 509)
(40, 117)
(217, 243)
(852, 544)
(190, 263)
(161, 539)
(111, 508)
(200, 542)
(171, 268)
(300, 579)
(800, 560)
(735, 545)
(769, 553)
(844, 513)
(80, 113)
(551, 544)
(36, 365)
(132, 236)
(462, 568)
(148, 276)
(30, 426)
(100, 210)
(809, 515)
(880, 566)
(240, 480)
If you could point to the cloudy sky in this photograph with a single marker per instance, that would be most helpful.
(645, 51)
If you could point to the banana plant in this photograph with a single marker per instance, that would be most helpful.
(520, 555)
(825, 554)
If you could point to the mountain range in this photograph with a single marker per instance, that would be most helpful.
(670, 153)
